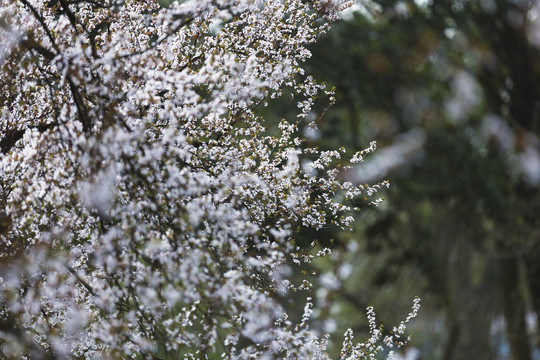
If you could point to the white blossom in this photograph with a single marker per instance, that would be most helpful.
(150, 206)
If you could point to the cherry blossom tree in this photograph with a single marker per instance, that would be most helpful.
(147, 210)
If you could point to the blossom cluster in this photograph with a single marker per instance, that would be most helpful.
(148, 206)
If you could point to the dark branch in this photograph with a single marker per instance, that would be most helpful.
(12, 136)
(81, 108)
(42, 22)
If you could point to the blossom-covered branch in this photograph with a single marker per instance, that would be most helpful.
(149, 208)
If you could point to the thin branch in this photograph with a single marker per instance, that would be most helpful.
(79, 103)
(72, 18)
(83, 282)
(42, 22)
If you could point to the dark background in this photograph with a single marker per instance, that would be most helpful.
(450, 92)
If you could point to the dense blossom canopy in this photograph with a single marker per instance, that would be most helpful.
(146, 210)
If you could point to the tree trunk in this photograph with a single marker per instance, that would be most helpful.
(514, 308)
(469, 302)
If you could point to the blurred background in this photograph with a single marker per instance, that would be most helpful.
(450, 90)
